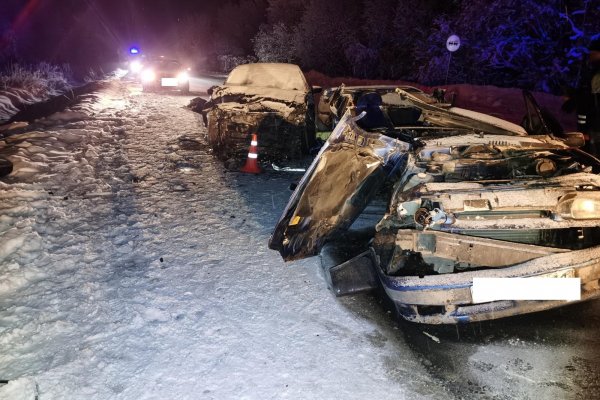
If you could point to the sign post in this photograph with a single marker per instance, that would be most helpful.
(452, 44)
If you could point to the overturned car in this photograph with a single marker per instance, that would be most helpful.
(469, 195)
(272, 100)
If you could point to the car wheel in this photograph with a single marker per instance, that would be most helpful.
(6, 166)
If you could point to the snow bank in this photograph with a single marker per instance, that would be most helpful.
(23, 86)
(14, 100)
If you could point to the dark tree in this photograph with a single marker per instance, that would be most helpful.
(237, 23)
(324, 34)
(288, 12)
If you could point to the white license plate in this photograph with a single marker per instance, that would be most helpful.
(560, 285)
(168, 82)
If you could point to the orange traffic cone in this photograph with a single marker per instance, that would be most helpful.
(252, 166)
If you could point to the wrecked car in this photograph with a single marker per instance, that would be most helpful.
(272, 100)
(468, 195)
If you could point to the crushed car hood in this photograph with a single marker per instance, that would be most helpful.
(328, 198)
(248, 94)
(461, 118)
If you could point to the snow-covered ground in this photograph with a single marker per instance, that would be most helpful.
(133, 266)
(13, 100)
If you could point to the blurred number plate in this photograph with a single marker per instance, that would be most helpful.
(168, 82)
(560, 285)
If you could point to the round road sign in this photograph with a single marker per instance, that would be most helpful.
(453, 43)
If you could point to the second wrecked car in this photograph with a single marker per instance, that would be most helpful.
(468, 195)
(272, 100)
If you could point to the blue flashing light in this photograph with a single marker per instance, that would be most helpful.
(134, 50)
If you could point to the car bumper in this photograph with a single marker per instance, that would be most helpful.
(280, 137)
(167, 83)
(447, 298)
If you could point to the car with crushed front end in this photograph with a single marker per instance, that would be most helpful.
(468, 196)
(271, 100)
(164, 74)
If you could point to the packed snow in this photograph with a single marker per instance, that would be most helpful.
(134, 266)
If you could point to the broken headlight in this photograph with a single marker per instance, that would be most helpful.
(580, 206)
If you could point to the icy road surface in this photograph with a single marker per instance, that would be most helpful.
(133, 266)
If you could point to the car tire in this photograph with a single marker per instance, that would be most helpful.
(6, 166)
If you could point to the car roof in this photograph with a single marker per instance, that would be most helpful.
(268, 75)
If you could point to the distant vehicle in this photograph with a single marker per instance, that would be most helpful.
(469, 196)
(272, 100)
(164, 74)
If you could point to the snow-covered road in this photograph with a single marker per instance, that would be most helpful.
(134, 266)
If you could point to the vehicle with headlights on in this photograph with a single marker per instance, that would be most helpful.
(468, 196)
(165, 74)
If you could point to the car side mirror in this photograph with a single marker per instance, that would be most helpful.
(574, 139)
(316, 89)
(211, 89)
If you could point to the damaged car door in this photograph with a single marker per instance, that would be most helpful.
(336, 188)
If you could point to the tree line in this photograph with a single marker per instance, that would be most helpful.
(534, 44)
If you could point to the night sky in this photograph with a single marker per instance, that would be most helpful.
(92, 30)
(533, 44)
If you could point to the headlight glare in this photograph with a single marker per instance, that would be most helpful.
(183, 77)
(148, 76)
(135, 66)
